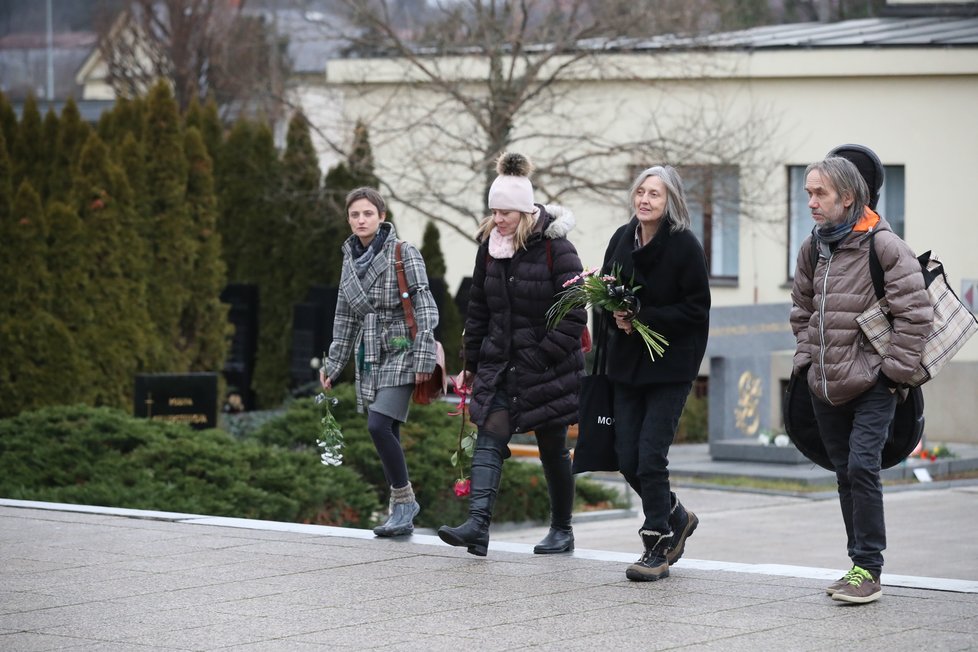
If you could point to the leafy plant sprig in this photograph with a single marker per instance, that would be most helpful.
(330, 436)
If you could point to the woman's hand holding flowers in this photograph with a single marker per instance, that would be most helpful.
(623, 319)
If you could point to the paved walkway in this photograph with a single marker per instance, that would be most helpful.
(85, 578)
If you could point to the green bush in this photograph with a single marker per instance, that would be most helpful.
(429, 438)
(101, 456)
(269, 469)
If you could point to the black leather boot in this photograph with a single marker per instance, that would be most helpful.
(683, 523)
(560, 486)
(487, 469)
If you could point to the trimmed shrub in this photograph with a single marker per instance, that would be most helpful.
(101, 456)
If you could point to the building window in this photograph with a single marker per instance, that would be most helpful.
(713, 195)
(800, 217)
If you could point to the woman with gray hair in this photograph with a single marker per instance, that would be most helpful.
(656, 252)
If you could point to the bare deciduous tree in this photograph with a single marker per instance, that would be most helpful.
(449, 122)
(204, 47)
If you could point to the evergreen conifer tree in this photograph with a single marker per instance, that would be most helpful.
(356, 171)
(72, 133)
(172, 241)
(251, 224)
(208, 121)
(8, 122)
(238, 188)
(204, 324)
(69, 265)
(36, 368)
(302, 192)
(50, 129)
(450, 325)
(124, 340)
(434, 259)
(127, 116)
(131, 156)
(27, 153)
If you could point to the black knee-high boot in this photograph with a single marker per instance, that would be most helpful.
(560, 486)
(487, 469)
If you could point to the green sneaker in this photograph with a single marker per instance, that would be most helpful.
(861, 588)
(839, 583)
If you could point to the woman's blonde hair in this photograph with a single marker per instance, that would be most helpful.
(523, 229)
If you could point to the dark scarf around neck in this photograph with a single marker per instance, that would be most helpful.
(364, 255)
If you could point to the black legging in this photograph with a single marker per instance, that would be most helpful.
(386, 433)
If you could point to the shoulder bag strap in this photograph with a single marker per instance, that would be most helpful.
(875, 268)
(402, 287)
(599, 363)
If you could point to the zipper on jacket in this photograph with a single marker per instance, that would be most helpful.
(821, 326)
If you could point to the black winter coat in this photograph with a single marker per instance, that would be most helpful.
(675, 301)
(507, 343)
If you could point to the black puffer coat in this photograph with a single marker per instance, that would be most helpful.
(675, 301)
(507, 342)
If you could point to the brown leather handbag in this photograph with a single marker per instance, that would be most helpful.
(436, 386)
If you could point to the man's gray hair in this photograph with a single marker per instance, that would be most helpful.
(844, 177)
(677, 213)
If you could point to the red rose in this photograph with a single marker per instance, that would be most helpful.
(463, 487)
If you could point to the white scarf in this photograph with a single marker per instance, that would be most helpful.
(501, 246)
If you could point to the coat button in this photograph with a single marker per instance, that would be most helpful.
(514, 399)
(512, 278)
(512, 368)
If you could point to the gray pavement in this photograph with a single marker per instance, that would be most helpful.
(89, 578)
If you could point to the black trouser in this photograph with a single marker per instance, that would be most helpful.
(646, 419)
(386, 434)
(854, 435)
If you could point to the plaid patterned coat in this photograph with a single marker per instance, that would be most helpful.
(370, 321)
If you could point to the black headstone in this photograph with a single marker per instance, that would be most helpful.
(182, 398)
(312, 332)
(243, 315)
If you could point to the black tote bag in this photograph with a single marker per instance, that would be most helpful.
(595, 449)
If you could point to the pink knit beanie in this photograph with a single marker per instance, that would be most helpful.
(512, 190)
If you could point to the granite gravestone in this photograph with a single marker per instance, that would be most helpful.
(243, 315)
(178, 398)
(312, 332)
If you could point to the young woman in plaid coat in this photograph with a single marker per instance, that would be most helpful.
(370, 323)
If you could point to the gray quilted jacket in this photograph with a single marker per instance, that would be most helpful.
(827, 299)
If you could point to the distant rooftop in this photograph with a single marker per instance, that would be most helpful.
(879, 32)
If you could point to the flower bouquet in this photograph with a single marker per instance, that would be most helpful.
(609, 293)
